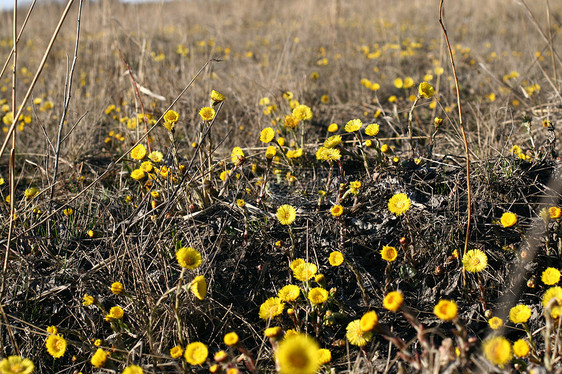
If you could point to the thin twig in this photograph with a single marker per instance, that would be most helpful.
(461, 125)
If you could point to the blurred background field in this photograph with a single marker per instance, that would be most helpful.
(345, 60)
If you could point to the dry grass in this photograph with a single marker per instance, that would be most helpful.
(251, 49)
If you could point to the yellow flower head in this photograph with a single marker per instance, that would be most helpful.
(305, 271)
(369, 321)
(196, 353)
(426, 90)
(116, 288)
(355, 335)
(317, 295)
(336, 258)
(146, 166)
(231, 339)
(216, 97)
(520, 313)
(289, 293)
(273, 332)
(87, 300)
(56, 345)
(176, 351)
(198, 287)
(336, 210)
(99, 358)
(52, 329)
(30, 193)
(333, 127)
(296, 262)
(521, 348)
(372, 129)
(188, 258)
(137, 174)
(550, 276)
(474, 261)
(554, 212)
(298, 354)
(302, 112)
(495, 323)
(267, 135)
(389, 253)
(552, 293)
(139, 152)
(156, 156)
(497, 350)
(16, 365)
(237, 155)
(332, 141)
(328, 154)
(399, 204)
(393, 301)
(353, 125)
(207, 114)
(508, 219)
(324, 356)
(446, 310)
(270, 152)
(132, 369)
(286, 214)
(171, 117)
(270, 308)
(398, 83)
(116, 312)
(291, 121)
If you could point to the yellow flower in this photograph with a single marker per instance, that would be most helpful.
(399, 204)
(30, 193)
(207, 114)
(446, 310)
(353, 125)
(270, 308)
(146, 166)
(56, 345)
(550, 276)
(216, 97)
(196, 353)
(296, 262)
(267, 135)
(521, 348)
(554, 212)
(273, 332)
(369, 321)
(156, 156)
(137, 174)
(474, 261)
(333, 127)
(324, 356)
(170, 119)
(198, 287)
(116, 312)
(495, 323)
(132, 369)
(389, 253)
(393, 301)
(552, 293)
(286, 214)
(325, 99)
(332, 141)
(97, 342)
(305, 271)
(87, 300)
(336, 258)
(176, 351)
(408, 82)
(52, 329)
(336, 210)
(426, 90)
(302, 112)
(237, 155)
(270, 152)
(188, 258)
(289, 293)
(355, 335)
(16, 365)
(231, 339)
(328, 154)
(139, 152)
(372, 129)
(385, 148)
(317, 295)
(298, 354)
(116, 288)
(497, 350)
(520, 313)
(294, 153)
(291, 121)
(508, 219)
(398, 83)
